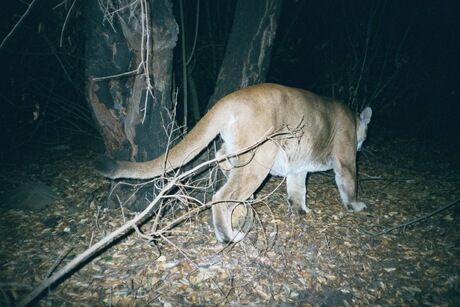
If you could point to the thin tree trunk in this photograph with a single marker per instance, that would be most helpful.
(249, 47)
(247, 56)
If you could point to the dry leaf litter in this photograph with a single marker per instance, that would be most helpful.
(328, 258)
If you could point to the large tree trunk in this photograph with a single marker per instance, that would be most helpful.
(249, 47)
(131, 109)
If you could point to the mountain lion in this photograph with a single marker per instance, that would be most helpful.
(325, 135)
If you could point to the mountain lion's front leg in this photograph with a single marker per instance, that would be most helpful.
(345, 178)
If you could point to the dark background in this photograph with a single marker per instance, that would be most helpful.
(411, 76)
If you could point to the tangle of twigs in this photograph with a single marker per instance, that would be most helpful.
(143, 216)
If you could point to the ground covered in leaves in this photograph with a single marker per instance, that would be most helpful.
(331, 258)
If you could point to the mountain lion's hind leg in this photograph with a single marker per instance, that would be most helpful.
(345, 177)
(224, 163)
(232, 218)
(296, 190)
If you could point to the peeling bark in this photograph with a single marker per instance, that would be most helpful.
(128, 77)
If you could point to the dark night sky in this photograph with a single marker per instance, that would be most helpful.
(426, 96)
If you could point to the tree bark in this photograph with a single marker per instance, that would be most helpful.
(131, 109)
(247, 56)
(246, 59)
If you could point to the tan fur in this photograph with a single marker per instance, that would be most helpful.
(330, 134)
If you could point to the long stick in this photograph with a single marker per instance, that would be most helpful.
(96, 247)
(144, 214)
(404, 225)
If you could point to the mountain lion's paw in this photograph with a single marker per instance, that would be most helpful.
(358, 206)
(238, 236)
(305, 211)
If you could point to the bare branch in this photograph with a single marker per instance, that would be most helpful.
(96, 247)
(404, 225)
(65, 22)
(110, 238)
(17, 23)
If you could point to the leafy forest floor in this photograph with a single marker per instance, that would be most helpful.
(330, 258)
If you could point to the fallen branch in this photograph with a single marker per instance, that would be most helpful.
(404, 225)
(110, 238)
(96, 247)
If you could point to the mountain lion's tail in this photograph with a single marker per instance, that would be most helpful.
(193, 143)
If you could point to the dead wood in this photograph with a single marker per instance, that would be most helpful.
(325, 259)
(96, 247)
(410, 222)
(107, 240)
